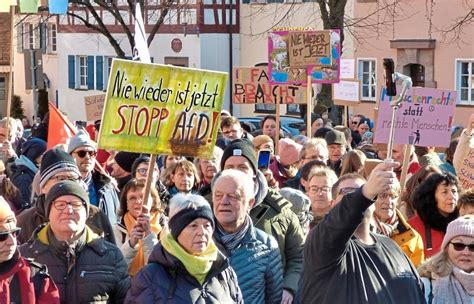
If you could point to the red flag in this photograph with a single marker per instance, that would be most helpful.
(60, 129)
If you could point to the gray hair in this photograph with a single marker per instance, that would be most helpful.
(185, 200)
(246, 183)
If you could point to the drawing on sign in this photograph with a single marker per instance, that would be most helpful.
(292, 55)
(162, 109)
(424, 118)
(250, 85)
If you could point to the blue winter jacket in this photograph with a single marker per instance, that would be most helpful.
(257, 263)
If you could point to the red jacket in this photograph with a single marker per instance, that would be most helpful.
(436, 236)
(21, 280)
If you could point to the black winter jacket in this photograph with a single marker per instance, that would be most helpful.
(165, 280)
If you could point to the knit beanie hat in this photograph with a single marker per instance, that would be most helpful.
(67, 187)
(81, 139)
(55, 161)
(321, 132)
(33, 148)
(240, 147)
(125, 160)
(7, 216)
(260, 140)
(335, 137)
(463, 225)
(185, 216)
(289, 151)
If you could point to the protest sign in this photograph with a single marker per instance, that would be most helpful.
(346, 92)
(306, 47)
(158, 109)
(465, 172)
(347, 69)
(293, 55)
(424, 118)
(250, 85)
(94, 106)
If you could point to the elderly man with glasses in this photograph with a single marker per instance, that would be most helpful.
(102, 193)
(349, 264)
(85, 267)
(21, 279)
(57, 166)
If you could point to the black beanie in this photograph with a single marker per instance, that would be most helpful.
(55, 161)
(125, 160)
(67, 187)
(33, 148)
(240, 147)
(185, 216)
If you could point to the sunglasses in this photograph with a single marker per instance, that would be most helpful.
(346, 190)
(461, 246)
(83, 153)
(355, 122)
(4, 235)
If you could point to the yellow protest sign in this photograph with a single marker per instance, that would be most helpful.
(158, 109)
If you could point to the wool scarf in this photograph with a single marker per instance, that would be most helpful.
(388, 227)
(232, 240)
(458, 287)
(139, 260)
(15, 267)
(197, 265)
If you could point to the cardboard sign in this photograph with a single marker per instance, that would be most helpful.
(250, 85)
(346, 92)
(292, 56)
(424, 118)
(160, 109)
(306, 47)
(94, 106)
(465, 172)
(347, 69)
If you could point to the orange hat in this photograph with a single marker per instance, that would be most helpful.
(7, 216)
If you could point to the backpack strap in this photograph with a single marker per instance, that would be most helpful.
(429, 242)
(430, 297)
(172, 286)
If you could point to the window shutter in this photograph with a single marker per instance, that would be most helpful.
(72, 71)
(90, 72)
(19, 38)
(43, 29)
(99, 83)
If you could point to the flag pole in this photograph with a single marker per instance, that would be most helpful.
(10, 74)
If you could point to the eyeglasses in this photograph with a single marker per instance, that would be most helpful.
(346, 190)
(61, 178)
(83, 153)
(384, 196)
(461, 246)
(142, 171)
(61, 205)
(355, 122)
(230, 132)
(135, 200)
(4, 235)
(316, 189)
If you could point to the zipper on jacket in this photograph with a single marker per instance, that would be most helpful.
(84, 272)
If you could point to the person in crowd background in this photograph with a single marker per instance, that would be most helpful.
(389, 221)
(253, 254)
(186, 266)
(448, 276)
(397, 155)
(301, 182)
(84, 266)
(285, 165)
(427, 156)
(122, 168)
(10, 193)
(140, 170)
(102, 192)
(364, 126)
(140, 224)
(356, 137)
(466, 202)
(184, 177)
(336, 142)
(447, 165)
(21, 280)
(300, 205)
(353, 162)
(320, 183)
(8, 142)
(342, 255)
(168, 161)
(208, 168)
(435, 203)
(231, 128)
(25, 167)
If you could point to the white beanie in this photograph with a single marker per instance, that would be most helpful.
(463, 225)
(81, 139)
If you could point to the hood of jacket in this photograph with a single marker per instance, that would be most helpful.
(262, 188)
(24, 161)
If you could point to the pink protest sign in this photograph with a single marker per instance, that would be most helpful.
(423, 119)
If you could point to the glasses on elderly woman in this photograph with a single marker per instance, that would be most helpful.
(462, 246)
(61, 205)
(4, 235)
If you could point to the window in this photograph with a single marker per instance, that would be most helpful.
(3, 89)
(368, 78)
(465, 81)
(31, 36)
(53, 38)
(82, 69)
(265, 108)
(293, 109)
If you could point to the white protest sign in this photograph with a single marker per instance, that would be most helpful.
(346, 92)
(347, 69)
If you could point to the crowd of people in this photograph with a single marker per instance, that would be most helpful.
(328, 219)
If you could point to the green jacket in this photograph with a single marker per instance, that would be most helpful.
(274, 216)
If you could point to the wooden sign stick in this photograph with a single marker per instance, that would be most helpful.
(309, 109)
(277, 128)
(149, 175)
(406, 161)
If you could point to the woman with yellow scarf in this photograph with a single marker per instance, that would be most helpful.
(186, 266)
(139, 227)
